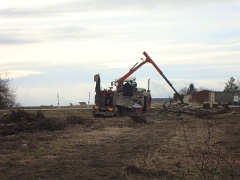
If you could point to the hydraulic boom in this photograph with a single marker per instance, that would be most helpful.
(137, 66)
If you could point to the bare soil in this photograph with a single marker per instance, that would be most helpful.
(121, 148)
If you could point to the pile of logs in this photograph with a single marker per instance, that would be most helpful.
(192, 110)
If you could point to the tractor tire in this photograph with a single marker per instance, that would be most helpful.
(147, 104)
(119, 112)
(140, 101)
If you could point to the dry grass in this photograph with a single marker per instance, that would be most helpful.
(118, 148)
(173, 154)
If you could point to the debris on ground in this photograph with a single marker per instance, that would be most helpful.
(20, 120)
(138, 118)
(119, 148)
(77, 120)
(190, 110)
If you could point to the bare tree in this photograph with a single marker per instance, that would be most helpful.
(7, 93)
(206, 155)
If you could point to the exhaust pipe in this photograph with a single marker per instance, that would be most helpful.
(148, 85)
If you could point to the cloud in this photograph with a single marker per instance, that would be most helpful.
(107, 19)
(188, 57)
(56, 33)
(60, 9)
(20, 73)
(233, 40)
(21, 35)
(73, 40)
(15, 39)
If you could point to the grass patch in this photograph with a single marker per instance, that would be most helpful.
(51, 125)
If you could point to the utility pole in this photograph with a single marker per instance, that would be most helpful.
(88, 99)
(58, 101)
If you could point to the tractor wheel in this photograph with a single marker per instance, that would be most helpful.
(119, 111)
(95, 115)
(139, 110)
(147, 104)
(140, 102)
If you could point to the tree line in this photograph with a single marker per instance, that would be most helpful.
(232, 85)
(8, 93)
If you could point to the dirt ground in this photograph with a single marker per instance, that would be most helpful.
(166, 146)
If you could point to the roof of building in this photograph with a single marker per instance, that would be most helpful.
(160, 100)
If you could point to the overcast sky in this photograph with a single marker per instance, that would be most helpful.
(56, 46)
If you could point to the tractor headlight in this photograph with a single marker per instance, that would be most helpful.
(110, 109)
(96, 108)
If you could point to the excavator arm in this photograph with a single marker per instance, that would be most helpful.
(148, 59)
(137, 66)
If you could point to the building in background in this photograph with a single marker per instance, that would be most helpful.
(231, 98)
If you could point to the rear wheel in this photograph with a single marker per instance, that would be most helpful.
(119, 111)
(139, 110)
(140, 102)
(147, 104)
(95, 115)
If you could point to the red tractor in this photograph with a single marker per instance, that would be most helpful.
(127, 97)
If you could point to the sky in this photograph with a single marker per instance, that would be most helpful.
(57, 46)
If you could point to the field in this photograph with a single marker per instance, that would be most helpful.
(152, 146)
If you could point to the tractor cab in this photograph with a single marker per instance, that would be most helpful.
(128, 87)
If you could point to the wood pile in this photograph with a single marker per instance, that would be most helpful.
(191, 110)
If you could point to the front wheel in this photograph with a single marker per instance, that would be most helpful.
(119, 111)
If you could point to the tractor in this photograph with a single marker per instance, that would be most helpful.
(127, 97)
